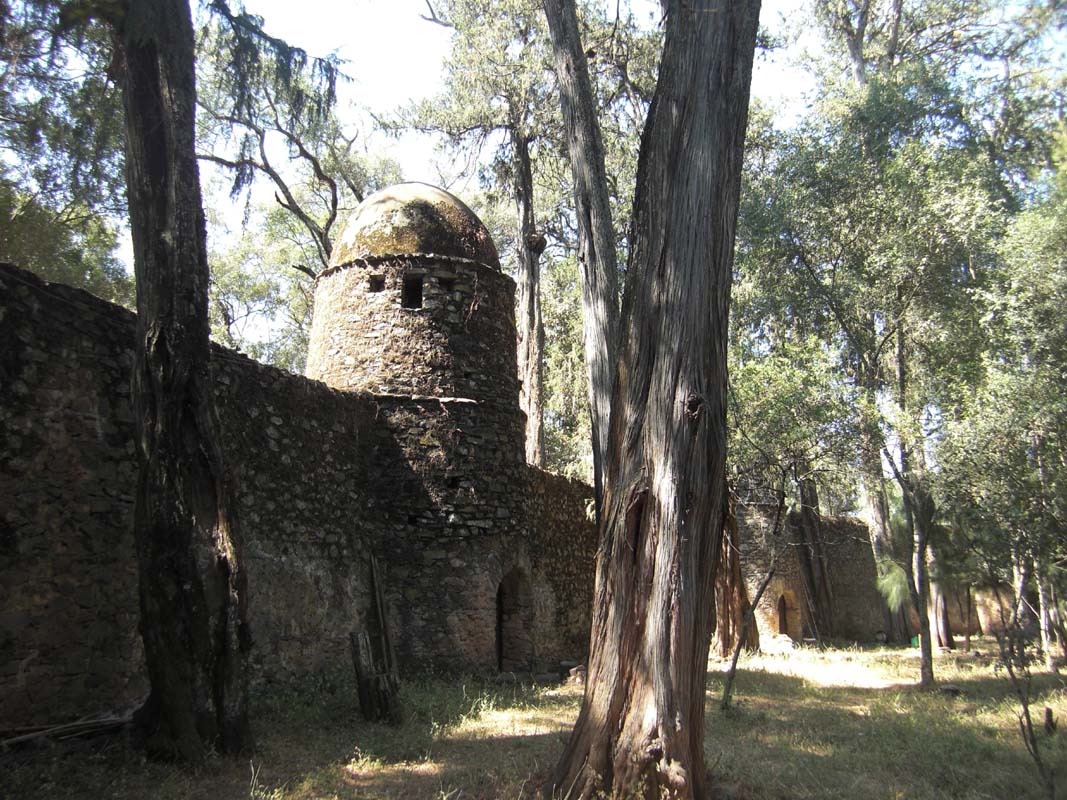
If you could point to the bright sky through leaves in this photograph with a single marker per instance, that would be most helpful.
(395, 56)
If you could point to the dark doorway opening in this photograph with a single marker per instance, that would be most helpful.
(783, 616)
(513, 618)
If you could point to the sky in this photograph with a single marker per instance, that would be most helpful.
(396, 57)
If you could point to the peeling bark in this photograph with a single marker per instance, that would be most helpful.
(640, 729)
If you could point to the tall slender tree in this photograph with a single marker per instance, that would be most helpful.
(596, 235)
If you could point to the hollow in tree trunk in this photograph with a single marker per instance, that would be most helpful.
(640, 730)
(191, 598)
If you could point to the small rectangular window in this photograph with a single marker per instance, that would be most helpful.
(376, 283)
(447, 284)
(411, 296)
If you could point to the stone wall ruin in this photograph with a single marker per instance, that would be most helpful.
(435, 488)
(786, 608)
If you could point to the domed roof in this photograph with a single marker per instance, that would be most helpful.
(414, 218)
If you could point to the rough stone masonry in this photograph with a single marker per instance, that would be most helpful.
(405, 444)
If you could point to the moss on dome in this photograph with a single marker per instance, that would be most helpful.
(414, 218)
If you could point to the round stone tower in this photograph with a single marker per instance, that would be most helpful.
(414, 303)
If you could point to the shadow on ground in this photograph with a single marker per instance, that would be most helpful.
(787, 736)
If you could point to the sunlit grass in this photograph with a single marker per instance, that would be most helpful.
(852, 724)
(835, 723)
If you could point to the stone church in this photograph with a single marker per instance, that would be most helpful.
(394, 470)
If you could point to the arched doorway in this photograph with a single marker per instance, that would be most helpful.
(513, 617)
(788, 614)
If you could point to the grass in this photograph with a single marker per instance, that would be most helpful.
(844, 723)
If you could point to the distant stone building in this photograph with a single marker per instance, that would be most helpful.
(403, 446)
(821, 589)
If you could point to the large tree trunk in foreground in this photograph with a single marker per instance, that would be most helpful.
(191, 605)
(640, 731)
(531, 331)
(596, 234)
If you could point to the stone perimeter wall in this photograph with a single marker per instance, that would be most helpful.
(68, 580)
(324, 479)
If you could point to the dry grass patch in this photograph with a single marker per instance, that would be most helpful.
(808, 724)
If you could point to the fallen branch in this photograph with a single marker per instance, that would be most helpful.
(65, 731)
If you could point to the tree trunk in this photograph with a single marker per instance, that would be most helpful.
(1056, 619)
(813, 562)
(191, 594)
(731, 594)
(938, 609)
(640, 729)
(919, 522)
(897, 630)
(596, 235)
(531, 331)
(1044, 595)
(1020, 575)
(918, 510)
(968, 618)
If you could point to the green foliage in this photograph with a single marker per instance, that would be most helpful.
(259, 304)
(73, 246)
(567, 422)
(790, 416)
(1003, 474)
(498, 92)
(62, 187)
(60, 116)
(267, 112)
(500, 87)
(893, 584)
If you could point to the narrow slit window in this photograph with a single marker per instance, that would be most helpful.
(411, 296)
(376, 283)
